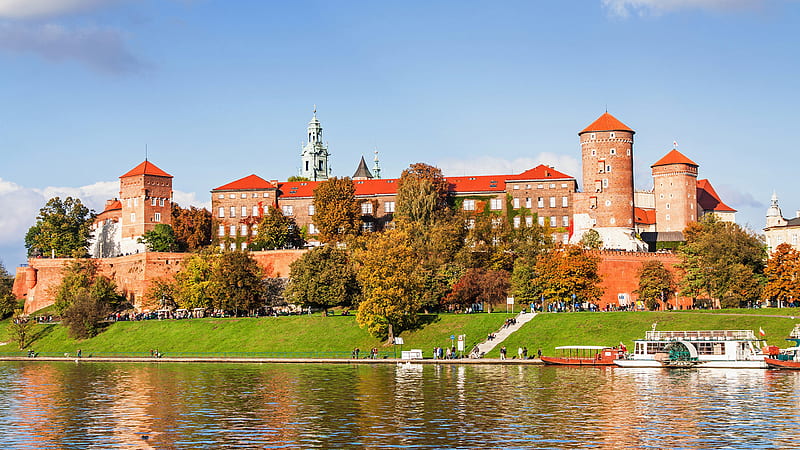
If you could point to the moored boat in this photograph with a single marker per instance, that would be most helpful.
(788, 358)
(697, 349)
(585, 355)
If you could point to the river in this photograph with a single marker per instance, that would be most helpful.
(186, 405)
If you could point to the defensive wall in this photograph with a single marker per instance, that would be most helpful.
(134, 274)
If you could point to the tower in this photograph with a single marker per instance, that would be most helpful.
(314, 157)
(607, 157)
(675, 191)
(146, 196)
(774, 214)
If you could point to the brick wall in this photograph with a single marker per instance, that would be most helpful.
(620, 273)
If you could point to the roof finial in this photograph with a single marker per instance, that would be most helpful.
(606, 107)
(674, 145)
(145, 152)
(315, 110)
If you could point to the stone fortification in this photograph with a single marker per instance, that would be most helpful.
(133, 274)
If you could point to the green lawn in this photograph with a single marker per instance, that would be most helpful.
(550, 330)
(268, 334)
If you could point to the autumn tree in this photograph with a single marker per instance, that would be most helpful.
(557, 275)
(162, 292)
(723, 261)
(323, 278)
(160, 239)
(336, 211)
(276, 231)
(236, 283)
(62, 229)
(422, 195)
(488, 287)
(390, 285)
(193, 284)
(21, 328)
(192, 227)
(84, 298)
(783, 274)
(656, 284)
(591, 240)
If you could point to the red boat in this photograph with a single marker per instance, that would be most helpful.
(788, 358)
(773, 363)
(585, 355)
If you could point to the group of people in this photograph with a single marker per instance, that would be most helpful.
(373, 353)
(522, 353)
(440, 353)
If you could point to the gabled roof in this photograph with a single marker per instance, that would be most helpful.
(606, 122)
(297, 189)
(250, 182)
(674, 157)
(708, 199)
(540, 172)
(644, 216)
(113, 205)
(477, 183)
(146, 168)
(362, 171)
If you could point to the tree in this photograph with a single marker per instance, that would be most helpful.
(160, 239)
(294, 178)
(84, 316)
(422, 195)
(192, 228)
(560, 273)
(276, 231)
(62, 229)
(162, 293)
(8, 302)
(480, 286)
(718, 258)
(656, 283)
(21, 328)
(274, 291)
(236, 283)
(390, 285)
(84, 298)
(336, 212)
(193, 284)
(591, 240)
(783, 274)
(323, 278)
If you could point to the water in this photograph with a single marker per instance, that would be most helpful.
(97, 405)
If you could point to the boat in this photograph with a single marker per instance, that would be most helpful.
(697, 349)
(788, 358)
(585, 355)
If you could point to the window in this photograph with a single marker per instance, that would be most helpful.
(613, 151)
(312, 229)
(608, 168)
(136, 201)
(608, 202)
(629, 152)
(541, 186)
(565, 221)
(667, 216)
(528, 202)
(553, 221)
(496, 222)
(266, 194)
(129, 203)
(233, 211)
(667, 205)
(232, 196)
(564, 201)
(233, 246)
(244, 195)
(517, 221)
(592, 202)
(612, 135)
(612, 220)
(153, 201)
(244, 211)
(594, 152)
(233, 230)
(255, 211)
(470, 224)
(222, 212)
(541, 221)
(540, 202)
(605, 183)
(221, 196)
(157, 217)
(529, 221)
(516, 203)
(496, 204)
(563, 185)
(288, 210)
(161, 202)
(516, 186)
(222, 246)
(469, 205)
(366, 208)
(244, 245)
(388, 207)
(133, 217)
(255, 194)
(254, 230)
(552, 202)
(222, 230)
(244, 230)
(552, 185)
(311, 210)
(592, 136)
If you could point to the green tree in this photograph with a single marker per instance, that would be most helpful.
(656, 284)
(323, 278)
(591, 240)
(390, 285)
(8, 302)
(160, 239)
(21, 329)
(336, 212)
(81, 278)
(276, 231)
(294, 178)
(236, 283)
(723, 261)
(85, 315)
(62, 229)
(422, 195)
(783, 274)
(192, 227)
(162, 293)
(193, 283)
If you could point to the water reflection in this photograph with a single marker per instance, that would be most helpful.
(68, 405)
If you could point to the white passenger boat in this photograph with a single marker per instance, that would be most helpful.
(700, 349)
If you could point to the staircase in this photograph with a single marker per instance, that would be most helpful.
(486, 346)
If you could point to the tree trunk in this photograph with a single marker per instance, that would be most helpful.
(390, 338)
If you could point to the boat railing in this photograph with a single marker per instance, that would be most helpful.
(710, 335)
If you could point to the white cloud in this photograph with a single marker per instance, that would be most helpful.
(21, 9)
(489, 165)
(624, 8)
(102, 49)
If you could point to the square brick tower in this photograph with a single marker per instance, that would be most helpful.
(146, 196)
(675, 191)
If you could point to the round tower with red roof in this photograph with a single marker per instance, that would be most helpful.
(675, 191)
(607, 156)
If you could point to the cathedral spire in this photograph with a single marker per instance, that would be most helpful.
(314, 157)
(376, 168)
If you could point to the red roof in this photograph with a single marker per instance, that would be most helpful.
(674, 157)
(708, 199)
(146, 168)
(297, 188)
(249, 182)
(113, 205)
(606, 122)
(644, 216)
(540, 172)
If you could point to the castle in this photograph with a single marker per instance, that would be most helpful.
(624, 218)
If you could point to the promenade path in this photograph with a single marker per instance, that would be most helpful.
(269, 360)
(501, 335)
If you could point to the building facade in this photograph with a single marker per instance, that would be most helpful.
(780, 230)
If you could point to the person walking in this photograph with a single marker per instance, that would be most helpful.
(503, 352)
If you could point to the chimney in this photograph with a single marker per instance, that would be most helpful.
(797, 214)
(274, 182)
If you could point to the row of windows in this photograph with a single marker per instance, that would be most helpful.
(552, 221)
(244, 195)
(496, 204)
(539, 186)
(156, 217)
(154, 201)
(243, 229)
(255, 211)
(612, 151)
(366, 209)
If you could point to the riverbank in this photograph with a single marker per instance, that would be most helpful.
(168, 360)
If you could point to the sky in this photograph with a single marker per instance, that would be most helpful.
(212, 91)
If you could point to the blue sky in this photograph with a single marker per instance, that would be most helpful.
(217, 90)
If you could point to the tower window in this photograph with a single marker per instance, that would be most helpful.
(629, 152)
(608, 168)
(306, 166)
(157, 217)
(592, 136)
(161, 202)
(153, 201)
(320, 165)
(613, 151)
(594, 152)
(605, 182)
(222, 212)
(612, 135)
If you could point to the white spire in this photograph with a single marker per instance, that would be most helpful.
(314, 157)
(376, 169)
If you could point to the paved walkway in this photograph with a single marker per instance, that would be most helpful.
(486, 346)
(399, 362)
